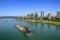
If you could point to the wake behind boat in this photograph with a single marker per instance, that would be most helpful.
(23, 29)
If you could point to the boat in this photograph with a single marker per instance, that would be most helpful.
(23, 29)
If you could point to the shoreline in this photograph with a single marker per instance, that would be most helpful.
(39, 21)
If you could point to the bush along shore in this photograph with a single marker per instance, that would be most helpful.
(40, 21)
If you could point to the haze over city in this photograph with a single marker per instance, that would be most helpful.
(23, 7)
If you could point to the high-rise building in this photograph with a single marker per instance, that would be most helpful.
(42, 14)
(28, 16)
(36, 15)
(49, 16)
(32, 15)
(58, 14)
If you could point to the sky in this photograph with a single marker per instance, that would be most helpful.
(24, 7)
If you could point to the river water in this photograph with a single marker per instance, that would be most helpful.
(39, 31)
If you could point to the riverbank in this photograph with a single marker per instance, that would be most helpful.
(41, 21)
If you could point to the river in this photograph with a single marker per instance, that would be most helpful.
(39, 31)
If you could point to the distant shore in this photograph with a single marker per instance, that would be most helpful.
(41, 21)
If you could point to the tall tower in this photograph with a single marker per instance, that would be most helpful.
(36, 15)
(42, 14)
(58, 14)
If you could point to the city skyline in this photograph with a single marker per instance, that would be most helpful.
(24, 7)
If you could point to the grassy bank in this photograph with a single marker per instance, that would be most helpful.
(41, 21)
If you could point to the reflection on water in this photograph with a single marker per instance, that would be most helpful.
(39, 31)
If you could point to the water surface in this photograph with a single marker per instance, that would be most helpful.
(8, 31)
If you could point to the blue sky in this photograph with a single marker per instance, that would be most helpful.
(23, 7)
